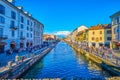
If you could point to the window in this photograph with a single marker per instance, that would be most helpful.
(22, 26)
(1, 31)
(13, 33)
(100, 32)
(27, 28)
(2, 9)
(13, 15)
(93, 33)
(31, 23)
(31, 35)
(2, 19)
(108, 31)
(101, 38)
(22, 19)
(31, 29)
(109, 38)
(116, 30)
(12, 24)
(27, 22)
(117, 20)
(92, 38)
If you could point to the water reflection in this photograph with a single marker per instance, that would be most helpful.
(64, 62)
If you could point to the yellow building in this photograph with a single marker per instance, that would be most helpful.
(99, 35)
(82, 36)
(49, 37)
(72, 37)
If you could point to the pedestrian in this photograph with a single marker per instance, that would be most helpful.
(103, 54)
(110, 53)
(22, 58)
(16, 59)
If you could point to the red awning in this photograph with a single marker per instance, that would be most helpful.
(118, 44)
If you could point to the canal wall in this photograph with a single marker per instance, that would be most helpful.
(18, 70)
(103, 63)
(90, 56)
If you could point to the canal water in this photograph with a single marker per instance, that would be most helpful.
(64, 62)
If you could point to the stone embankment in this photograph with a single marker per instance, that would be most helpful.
(16, 70)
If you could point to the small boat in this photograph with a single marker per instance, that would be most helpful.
(111, 69)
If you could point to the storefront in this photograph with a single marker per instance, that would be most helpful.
(107, 44)
(21, 45)
(93, 44)
(100, 44)
(12, 45)
(2, 45)
(118, 45)
(27, 44)
(31, 44)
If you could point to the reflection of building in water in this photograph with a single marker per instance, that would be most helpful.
(93, 66)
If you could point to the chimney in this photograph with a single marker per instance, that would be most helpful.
(20, 7)
(11, 1)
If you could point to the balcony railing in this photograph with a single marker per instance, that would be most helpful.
(14, 27)
(3, 37)
(22, 38)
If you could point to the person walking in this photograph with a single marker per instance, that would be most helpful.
(16, 59)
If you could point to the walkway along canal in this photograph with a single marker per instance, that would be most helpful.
(64, 62)
(16, 70)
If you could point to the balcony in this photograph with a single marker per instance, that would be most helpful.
(3, 37)
(14, 27)
(22, 38)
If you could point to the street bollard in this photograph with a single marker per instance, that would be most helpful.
(10, 64)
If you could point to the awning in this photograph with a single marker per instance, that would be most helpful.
(118, 44)
(3, 43)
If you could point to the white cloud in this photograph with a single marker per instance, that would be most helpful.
(62, 33)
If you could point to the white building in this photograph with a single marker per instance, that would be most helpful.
(72, 36)
(18, 29)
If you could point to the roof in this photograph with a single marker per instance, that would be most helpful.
(100, 26)
(115, 14)
(80, 28)
(10, 4)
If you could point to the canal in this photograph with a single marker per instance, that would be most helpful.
(64, 62)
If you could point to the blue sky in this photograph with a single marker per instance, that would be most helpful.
(66, 15)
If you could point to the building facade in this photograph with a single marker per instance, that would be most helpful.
(99, 35)
(115, 18)
(82, 37)
(72, 36)
(18, 29)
